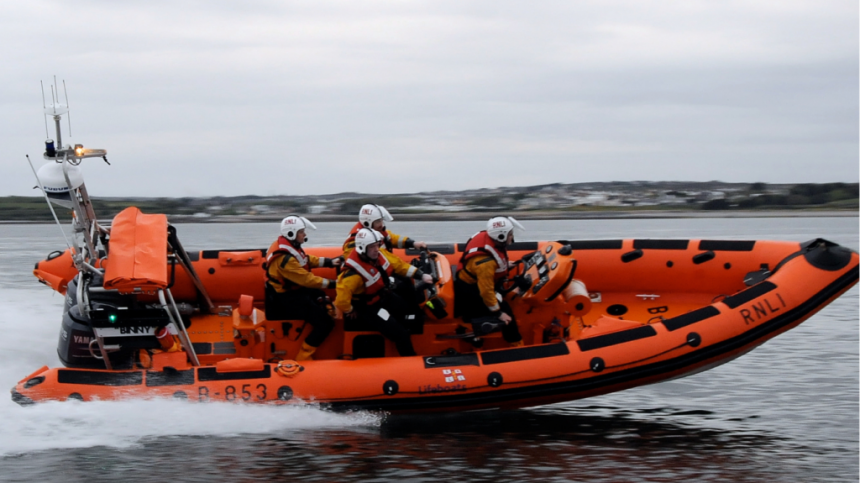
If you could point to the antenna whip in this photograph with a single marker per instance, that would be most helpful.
(69, 112)
(44, 108)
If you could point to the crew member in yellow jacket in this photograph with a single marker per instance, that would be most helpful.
(483, 267)
(364, 290)
(374, 217)
(292, 290)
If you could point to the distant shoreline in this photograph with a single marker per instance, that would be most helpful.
(532, 215)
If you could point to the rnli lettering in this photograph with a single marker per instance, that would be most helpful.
(232, 393)
(763, 309)
(135, 330)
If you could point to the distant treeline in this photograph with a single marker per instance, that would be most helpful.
(34, 208)
(752, 196)
(836, 195)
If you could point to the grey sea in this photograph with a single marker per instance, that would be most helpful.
(785, 412)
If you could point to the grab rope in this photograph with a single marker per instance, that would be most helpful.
(288, 368)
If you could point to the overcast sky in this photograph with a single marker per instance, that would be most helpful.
(284, 97)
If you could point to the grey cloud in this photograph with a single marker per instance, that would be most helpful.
(214, 98)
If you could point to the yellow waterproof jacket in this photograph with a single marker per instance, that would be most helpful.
(399, 241)
(350, 284)
(283, 269)
(484, 268)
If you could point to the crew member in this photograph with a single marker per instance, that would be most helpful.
(374, 217)
(483, 267)
(363, 289)
(292, 290)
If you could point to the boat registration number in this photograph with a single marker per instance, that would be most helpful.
(233, 393)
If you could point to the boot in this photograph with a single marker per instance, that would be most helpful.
(518, 343)
(306, 352)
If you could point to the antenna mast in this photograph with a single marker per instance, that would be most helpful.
(63, 183)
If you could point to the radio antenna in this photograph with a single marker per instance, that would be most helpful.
(69, 113)
(44, 107)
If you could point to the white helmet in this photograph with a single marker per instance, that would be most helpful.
(291, 225)
(370, 213)
(366, 237)
(498, 227)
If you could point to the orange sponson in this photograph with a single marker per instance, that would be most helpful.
(651, 310)
(57, 270)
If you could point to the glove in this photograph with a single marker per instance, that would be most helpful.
(427, 278)
(523, 282)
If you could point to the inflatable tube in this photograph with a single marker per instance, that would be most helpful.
(659, 309)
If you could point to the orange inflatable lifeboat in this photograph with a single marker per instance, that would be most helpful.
(145, 318)
(596, 317)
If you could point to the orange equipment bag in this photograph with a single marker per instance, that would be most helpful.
(138, 252)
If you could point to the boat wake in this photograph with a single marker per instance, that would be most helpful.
(125, 424)
(29, 320)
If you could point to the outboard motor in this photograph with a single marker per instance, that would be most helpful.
(126, 325)
(77, 345)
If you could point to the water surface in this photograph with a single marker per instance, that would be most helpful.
(787, 411)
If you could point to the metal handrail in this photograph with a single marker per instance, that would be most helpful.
(177, 322)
